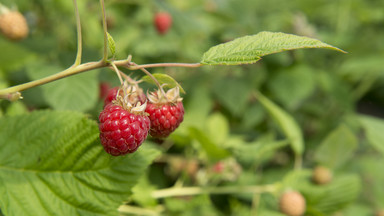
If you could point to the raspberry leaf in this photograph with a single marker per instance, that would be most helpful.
(286, 122)
(52, 163)
(164, 79)
(373, 128)
(336, 148)
(79, 93)
(250, 49)
(334, 196)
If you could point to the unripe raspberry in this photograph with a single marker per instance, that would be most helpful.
(380, 213)
(13, 25)
(166, 112)
(321, 175)
(163, 22)
(292, 203)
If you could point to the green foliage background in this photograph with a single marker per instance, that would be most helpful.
(246, 117)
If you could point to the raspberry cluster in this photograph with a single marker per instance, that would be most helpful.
(128, 117)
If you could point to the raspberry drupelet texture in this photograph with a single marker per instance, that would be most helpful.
(121, 131)
(165, 118)
(166, 112)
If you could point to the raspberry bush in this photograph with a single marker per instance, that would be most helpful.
(255, 123)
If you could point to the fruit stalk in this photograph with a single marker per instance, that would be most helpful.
(79, 37)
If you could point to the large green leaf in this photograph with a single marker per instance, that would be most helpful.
(250, 49)
(374, 128)
(52, 163)
(336, 148)
(286, 122)
(79, 92)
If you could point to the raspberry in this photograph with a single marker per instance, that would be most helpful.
(111, 95)
(163, 22)
(165, 114)
(13, 25)
(123, 127)
(321, 175)
(292, 203)
(103, 90)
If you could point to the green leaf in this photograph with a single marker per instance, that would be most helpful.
(78, 92)
(218, 127)
(292, 86)
(250, 49)
(336, 148)
(286, 122)
(373, 128)
(334, 196)
(214, 151)
(111, 45)
(52, 163)
(233, 94)
(163, 79)
(16, 56)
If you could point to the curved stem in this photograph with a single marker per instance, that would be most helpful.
(68, 72)
(188, 191)
(151, 76)
(190, 65)
(117, 72)
(12, 93)
(105, 50)
(79, 38)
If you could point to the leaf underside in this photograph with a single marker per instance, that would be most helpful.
(52, 163)
(250, 49)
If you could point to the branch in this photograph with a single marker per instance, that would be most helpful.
(188, 191)
(189, 65)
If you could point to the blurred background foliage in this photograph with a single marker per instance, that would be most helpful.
(225, 125)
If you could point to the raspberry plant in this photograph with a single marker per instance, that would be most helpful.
(227, 144)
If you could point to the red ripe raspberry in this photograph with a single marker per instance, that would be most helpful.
(163, 22)
(111, 95)
(103, 90)
(123, 125)
(165, 118)
(121, 131)
(165, 114)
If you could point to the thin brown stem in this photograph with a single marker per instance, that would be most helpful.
(189, 65)
(117, 72)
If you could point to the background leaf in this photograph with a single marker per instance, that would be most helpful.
(52, 163)
(336, 148)
(250, 49)
(286, 123)
(374, 129)
(79, 92)
(164, 79)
